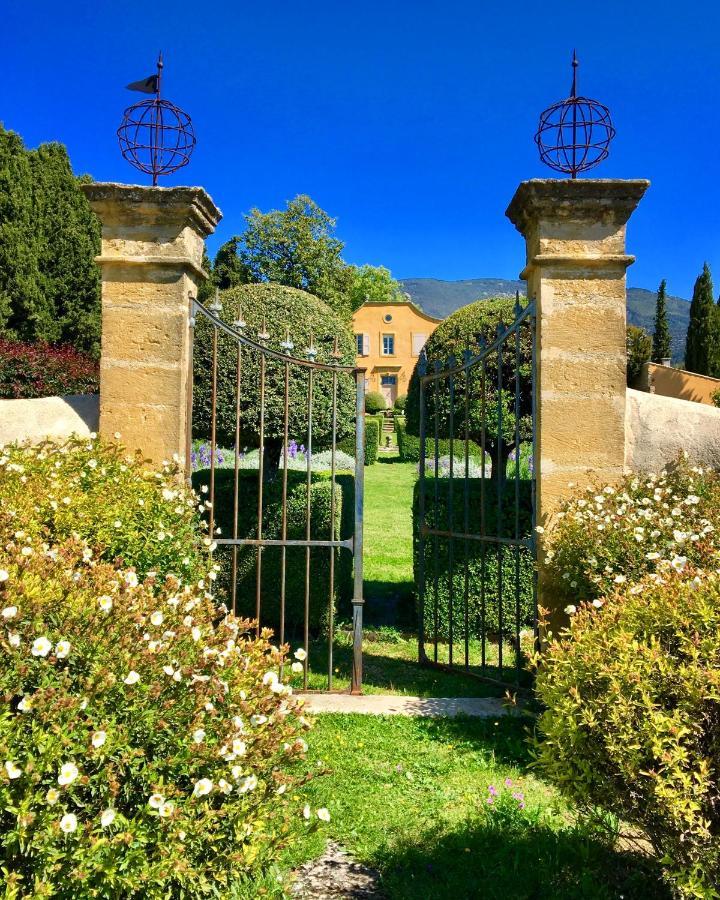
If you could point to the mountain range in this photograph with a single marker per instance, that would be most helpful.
(440, 298)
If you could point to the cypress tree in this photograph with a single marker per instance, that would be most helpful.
(661, 337)
(702, 337)
(49, 237)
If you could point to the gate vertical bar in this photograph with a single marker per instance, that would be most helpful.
(308, 527)
(192, 300)
(333, 460)
(422, 370)
(358, 595)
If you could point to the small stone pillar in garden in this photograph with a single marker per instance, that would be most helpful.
(575, 270)
(150, 262)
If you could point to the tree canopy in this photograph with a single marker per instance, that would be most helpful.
(701, 347)
(463, 330)
(374, 284)
(284, 313)
(661, 348)
(49, 237)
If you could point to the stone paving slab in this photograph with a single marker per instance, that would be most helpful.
(335, 874)
(396, 705)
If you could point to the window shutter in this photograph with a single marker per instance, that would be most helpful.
(366, 345)
(418, 342)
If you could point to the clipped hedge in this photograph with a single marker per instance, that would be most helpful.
(372, 440)
(375, 402)
(409, 445)
(320, 497)
(483, 559)
(630, 723)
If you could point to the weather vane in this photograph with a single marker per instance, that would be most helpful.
(155, 136)
(574, 135)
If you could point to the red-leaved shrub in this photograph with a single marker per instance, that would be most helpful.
(41, 370)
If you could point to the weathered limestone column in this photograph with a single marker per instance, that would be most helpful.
(152, 245)
(576, 261)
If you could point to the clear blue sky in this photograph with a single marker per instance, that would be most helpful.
(411, 122)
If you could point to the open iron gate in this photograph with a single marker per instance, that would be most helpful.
(475, 527)
(320, 382)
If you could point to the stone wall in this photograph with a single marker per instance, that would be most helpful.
(658, 429)
(668, 382)
(55, 417)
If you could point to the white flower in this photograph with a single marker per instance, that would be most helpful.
(248, 784)
(620, 579)
(68, 823)
(9, 612)
(196, 632)
(131, 579)
(156, 801)
(26, 551)
(157, 618)
(653, 555)
(570, 610)
(238, 747)
(306, 811)
(131, 678)
(258, 720)
(107, 817)
(300, 654)
(269, 678)
(12, 770)
(224, 786)
(202, 787)
(105, 603)
(4, 575)
(165, 810)
(199, 735)
(98, 738)
(41, 647)
(25, 705)
(540, 530)
(52, 796)
(597, 603)
(678, 563)
(14, 639)
(236, 772)
(323, 814)
(62, 648)
(68, 774)
(297, 667)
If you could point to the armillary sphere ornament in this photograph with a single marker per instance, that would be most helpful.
(155, 136)
(574, 135)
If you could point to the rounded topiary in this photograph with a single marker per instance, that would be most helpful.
(400, 403)
(459, 332)
(639, 351)
(631, 720)
(285, 314)
(374, 403)
(149, 748)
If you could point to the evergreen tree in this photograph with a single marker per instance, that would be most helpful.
(661, 337)
(701, 347)
(207, 287)
(228, 270)
(49, 237)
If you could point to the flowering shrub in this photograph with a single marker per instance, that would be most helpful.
(612, 535)
(89, 488)
(41, 370)
(148, 747)
(632, 724)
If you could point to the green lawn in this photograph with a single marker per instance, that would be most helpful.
(409, 798)
(388, 539)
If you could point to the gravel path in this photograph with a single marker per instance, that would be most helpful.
(336, 875)
(395, 705)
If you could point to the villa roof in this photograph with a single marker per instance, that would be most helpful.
(387, 303)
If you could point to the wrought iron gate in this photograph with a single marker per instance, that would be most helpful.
(475, 528)
(257, 495)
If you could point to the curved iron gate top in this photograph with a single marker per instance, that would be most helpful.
(475, 528)
(320, 550)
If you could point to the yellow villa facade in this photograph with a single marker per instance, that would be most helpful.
(389, 339)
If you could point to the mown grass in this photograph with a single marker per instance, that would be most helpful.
(408, 797)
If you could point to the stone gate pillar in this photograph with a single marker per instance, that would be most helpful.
(575, 269)
(150, 262)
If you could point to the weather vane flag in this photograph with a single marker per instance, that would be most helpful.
(155, 136)
(574, 135)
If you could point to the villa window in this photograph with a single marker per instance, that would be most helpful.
(388, 345)
(362, 342)
(418, 342)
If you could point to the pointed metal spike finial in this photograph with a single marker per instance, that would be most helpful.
(518, 307)
(482, 343)
(336, 354)
(311, 350)
(422, 363)
(287, 345)
(437, 365)
(499, 330)
(263, 334)
(451, 361)
(467, 356)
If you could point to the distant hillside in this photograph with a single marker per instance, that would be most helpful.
(440, 298)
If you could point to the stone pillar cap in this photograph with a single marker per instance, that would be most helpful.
(123, 203)
(610, 200)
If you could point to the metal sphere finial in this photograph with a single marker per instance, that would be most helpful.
(155, 136)
(574, 135)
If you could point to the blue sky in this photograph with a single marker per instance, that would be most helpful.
(411, 122)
